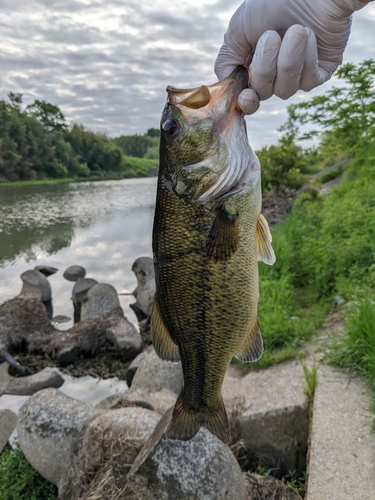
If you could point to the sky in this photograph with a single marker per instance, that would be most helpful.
(106, 63)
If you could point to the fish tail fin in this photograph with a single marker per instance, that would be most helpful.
(186, 421)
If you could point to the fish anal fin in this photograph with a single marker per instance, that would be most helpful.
(164, 346)
(263, 242)
(223, 237)
(252, 348)
(186, 421)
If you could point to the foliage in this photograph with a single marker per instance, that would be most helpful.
(139, 146)
(347, 111)
(284, 166)
(296, 482)
(20, 481)
(36, 144)
(310, 378)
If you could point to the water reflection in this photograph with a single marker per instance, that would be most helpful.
(102, 226)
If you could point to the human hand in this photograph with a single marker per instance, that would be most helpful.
(287, 44)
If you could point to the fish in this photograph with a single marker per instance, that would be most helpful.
(208, 236)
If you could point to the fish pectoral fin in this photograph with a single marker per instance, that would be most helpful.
(252, 349)
(164, 346)
(263, 242)
(186, 421)
(223, 238)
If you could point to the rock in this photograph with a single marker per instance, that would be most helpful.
(73, 273)
(135, 423)
(133, 367)
(26, 386)
(267, 488)
(143, 269)
(46, 270)
(275, 417)
(36, 283)
(79, 293)
(154, 374)
(202, 468)
(120, 400)
(125, 336)
(49, 425)
(160, 401)
(8, 422)
(60, 319)
(101, 299)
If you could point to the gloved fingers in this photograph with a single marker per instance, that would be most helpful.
(312, 74)
(290, 62)
(227, 61)
(248, 101)
(262, 71)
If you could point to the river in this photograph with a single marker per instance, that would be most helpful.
(103, 226)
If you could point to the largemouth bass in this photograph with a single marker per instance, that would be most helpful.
(207, 239)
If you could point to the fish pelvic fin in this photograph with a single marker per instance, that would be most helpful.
(263, 242)
(187, 421)
(252, 349)
(223, 238)
(163, 343)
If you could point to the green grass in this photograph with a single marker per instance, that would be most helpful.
(139, 167)
(332, 174)
(20, 481)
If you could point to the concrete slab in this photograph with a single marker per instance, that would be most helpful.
(342, 450)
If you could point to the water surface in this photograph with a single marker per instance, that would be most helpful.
(103, 226)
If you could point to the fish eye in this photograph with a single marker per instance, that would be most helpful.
(171, 127)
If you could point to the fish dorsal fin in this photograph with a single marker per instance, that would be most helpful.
(164, 346)
(252, 348)
(223, 238)
(263, 242)
(201, 97)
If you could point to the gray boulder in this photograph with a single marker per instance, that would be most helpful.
(143, 269)
(133, 367)
(49, 426)
(125, 336)
(8, 422)
(121, 400)
(79, 293)
(154, 374)
(73, 273)
(161, 401)
(26, 386)
(203, 468)
(36, 283)
(101, 299)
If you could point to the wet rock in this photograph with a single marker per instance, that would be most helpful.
(154, 374)
(49, 425)
(125, 336)
(8, 422)
(73, 273)
(46, 270)
(268, 488)
(143, 269)
(36, 283)
(26, 386)
(101, 299)
(202, 468)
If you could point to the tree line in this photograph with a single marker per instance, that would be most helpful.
(36, 143)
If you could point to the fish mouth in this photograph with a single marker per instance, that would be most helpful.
(233, 161)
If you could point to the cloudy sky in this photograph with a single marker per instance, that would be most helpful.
(106, 63)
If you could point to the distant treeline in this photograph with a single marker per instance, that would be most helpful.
(36, 143)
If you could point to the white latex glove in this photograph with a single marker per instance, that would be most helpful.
(298, 45)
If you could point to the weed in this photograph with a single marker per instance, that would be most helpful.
(20, 481)
(310, 378)
(296, 482)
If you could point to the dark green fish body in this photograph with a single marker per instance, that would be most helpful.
(206, 263)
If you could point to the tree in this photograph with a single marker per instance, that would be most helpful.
(15, 99)
(48, 115)
(348, 111)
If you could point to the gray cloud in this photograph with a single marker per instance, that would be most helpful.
(106, 63)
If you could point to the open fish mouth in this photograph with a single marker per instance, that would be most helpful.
(230, 165)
